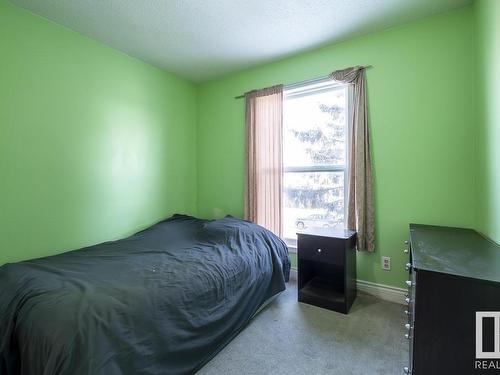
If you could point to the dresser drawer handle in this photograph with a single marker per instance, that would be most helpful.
(319, 250)
(408, 326)
(407, 336)
(407, 299)
(407, 312)
(407, 266)
(409, 283)
(406, 370)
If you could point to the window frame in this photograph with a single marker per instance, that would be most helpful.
(307, 88)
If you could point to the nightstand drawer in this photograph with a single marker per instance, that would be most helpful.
(321, 249)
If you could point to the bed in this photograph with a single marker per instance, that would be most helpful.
(163, 301)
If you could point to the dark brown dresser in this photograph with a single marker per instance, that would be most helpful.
(453, 302)
(327, 268)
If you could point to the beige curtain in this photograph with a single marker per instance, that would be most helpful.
(360, 210)
(264, 133)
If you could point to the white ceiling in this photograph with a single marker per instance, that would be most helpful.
(204, 39)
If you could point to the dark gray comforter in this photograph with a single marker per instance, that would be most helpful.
(163, 301)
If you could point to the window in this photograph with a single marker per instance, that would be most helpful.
(315, 157)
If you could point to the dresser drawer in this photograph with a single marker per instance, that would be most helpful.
(321, 249)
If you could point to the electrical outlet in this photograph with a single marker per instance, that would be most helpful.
(386, 263)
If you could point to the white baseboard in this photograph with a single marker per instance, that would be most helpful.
(384, 292)
(381, 291)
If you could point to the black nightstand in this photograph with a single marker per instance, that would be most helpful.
(327, 268)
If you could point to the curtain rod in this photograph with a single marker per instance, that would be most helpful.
(306, 82)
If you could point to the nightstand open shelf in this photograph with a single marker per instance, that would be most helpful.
(321, 289)
(327, 269)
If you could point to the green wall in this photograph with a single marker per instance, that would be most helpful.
(94, 144)
(488, 109)
(421, 99)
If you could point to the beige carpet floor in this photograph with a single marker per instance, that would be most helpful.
(290, 338)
